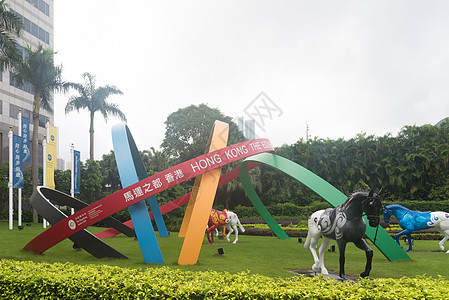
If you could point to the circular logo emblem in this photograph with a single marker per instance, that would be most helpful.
(72, 224)
(49, 157)
(52, 138)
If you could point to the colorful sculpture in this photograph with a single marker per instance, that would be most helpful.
(344, 224)
(412, 220)
(207, 167)
(223, 218)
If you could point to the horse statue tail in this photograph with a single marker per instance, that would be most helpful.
(307, 243)
(308, 239)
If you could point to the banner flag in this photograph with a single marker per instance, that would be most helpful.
(77, 171)
(51, 157)
(17, 181)
(26, 139)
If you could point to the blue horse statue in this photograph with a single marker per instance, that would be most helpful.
(412, 220)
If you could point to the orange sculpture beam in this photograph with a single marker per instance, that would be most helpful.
(201, 200)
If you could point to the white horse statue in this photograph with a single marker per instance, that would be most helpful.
(225, 218)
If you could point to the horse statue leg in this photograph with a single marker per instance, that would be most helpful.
(409, 239)
(310, 244)
(234, 228)
(341, 249)
(313, 237)
(210, 235)
(230, 230)
(443, 227)
(324, 244)
(408, 233)
(441, 243)
(361, 244)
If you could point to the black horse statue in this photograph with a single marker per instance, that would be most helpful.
(344, 224)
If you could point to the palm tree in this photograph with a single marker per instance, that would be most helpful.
(10, 28)
(155, 160)
(94, 99)
(38, 70)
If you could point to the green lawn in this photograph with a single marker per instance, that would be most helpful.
(268, 256)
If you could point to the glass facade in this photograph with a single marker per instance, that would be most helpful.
(32, 28)
(41, 5)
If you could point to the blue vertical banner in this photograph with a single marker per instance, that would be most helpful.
(77, 171)
(17, 181)
(26, 140)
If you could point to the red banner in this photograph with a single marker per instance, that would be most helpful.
(144, 189)
(225, 178)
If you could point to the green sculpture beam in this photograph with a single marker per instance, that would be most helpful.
(389, 248)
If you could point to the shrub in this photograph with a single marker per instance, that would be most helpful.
(29, 280)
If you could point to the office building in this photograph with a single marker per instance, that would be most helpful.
(248, 127)
(37, 18)
(60, 165)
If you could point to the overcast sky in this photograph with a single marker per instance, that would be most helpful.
(342, 67)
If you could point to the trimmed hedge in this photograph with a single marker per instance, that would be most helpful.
(282, 209)
(422, 205)
(303, 212)
(29, 280)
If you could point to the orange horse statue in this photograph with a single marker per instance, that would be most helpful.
(223, 218)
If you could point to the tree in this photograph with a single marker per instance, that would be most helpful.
(91, 181)
(38, 70)
(95, 100)
(155, 160)
(10, 28)
(63, 181)
(111, 179)
(4, 189)
(187, 131)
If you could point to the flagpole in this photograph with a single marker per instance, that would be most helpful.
(10, 179)
(19, 192)
(44, 170)
(47, 130)
(72, 177)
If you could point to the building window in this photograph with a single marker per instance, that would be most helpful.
(14, 111)
(27, 114)
(32, 28)
(27, 25)
(1, 107)
(26, 87)
(41, 34)
(42, 121)
(12, 81)
(41, 5)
